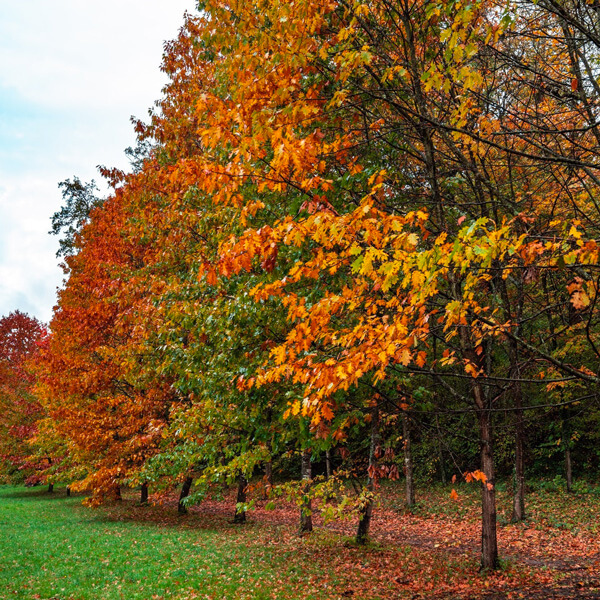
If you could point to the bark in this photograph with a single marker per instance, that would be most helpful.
(518, 513)
(364, 521)
(117, 492)
(144, 493)
(306, 524)
(566, 440)
(519, 488)
(440, 451)
(50, 488)
(328, 464)
(185, 492)
(240, 513)
(517, 396)
(483, 405)
(568, 469)
(408, 464)
(489, 542)
(68, 491)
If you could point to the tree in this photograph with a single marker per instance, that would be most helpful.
(79, 200)
(410, 186)
(20, 338)
(112, 422)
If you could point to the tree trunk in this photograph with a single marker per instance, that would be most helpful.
(117, 493)
(440, 451)
(50, 488)
(240, 513)
(483, 405)
(518, 513)
(185, 492)
(144, 493)
(364, 521)
(566, 440)
(306, 524)
(568, 468)
(517, 395)
(519, 488)
(68, 491)
(408, 464)
(328, 464)
(489, 542)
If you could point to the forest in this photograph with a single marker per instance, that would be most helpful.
(357, 250)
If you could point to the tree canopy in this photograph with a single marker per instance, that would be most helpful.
(345, 222)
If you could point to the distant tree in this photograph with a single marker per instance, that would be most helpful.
(79, 200)
(20, 336)
(138, 154)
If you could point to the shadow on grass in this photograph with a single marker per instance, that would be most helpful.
(39, 493)
(167, 517)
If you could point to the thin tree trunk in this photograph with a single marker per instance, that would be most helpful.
(50, 488)
(517, 395)
(240, 513)
(440, 451)
(185, 492)
(519, 488)
(482, 402)
(489, 541)
(408, 464)
(328, 464)
(566, 440)
(306, 524)
(117, 493)
(568, 468)
(68, 491)
(144, 493)
(364, 521)
(518, 513)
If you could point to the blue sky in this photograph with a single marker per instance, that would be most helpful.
(71, 75)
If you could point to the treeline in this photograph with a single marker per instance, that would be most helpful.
(356, 238)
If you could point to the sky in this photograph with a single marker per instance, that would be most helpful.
(72, 73)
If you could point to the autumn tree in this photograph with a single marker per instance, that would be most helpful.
(20, 338)
(112, 423)
(411, 185)
(392, 125)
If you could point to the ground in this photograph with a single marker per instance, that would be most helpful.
(54, 548)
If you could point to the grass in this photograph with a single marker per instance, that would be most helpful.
(51, 547)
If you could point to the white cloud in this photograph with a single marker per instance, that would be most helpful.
(70, 53)
(29, 274)
(71, 75)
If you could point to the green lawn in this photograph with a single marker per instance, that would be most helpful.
(51, 547)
